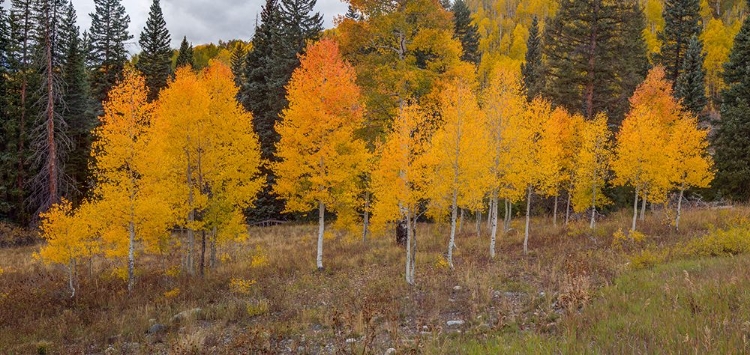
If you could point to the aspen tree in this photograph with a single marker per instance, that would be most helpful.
(320, 158)
(592, 166)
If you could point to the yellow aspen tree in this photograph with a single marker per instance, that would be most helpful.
(592, 166)
(459, 156)
(640, 159)
(690, 161)
(129, 205)
(211, 154)
(320, 157)
(69, 237)
(557, 146)
(398, 180)
(503, 104)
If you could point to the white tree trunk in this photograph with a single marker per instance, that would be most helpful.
(643, 208)
(526, 230)
(493, 231)
(635, 209)
(71, 277)
(461, 221)
(479, 223)
(131, 255)
(214, 236)
(489, 214)
(593, 208)
(366, 218)
(454, 215)
(679, 207)
(508, 216)
(409, 272)
(567, 210)
(321, 230)
(554, 213)
(413, 236)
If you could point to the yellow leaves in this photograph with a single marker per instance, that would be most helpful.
(69, 236)
(320, 157)
(718, 39)
(591, 164)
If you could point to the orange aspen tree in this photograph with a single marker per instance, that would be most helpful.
(503, 104)
(398, 180)
(557, 143)
(459, 156)
(320, 157)
(129, 206)
(592, 166)
(640, 158)
(688, 154)
(69, 236)
(211, 154)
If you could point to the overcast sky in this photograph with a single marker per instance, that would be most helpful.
(202, 21)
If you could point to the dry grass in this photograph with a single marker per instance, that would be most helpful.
(267, 297)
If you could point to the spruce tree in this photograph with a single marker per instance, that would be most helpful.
(732, 139)
(155, 61)
(591, 63)
(106, 53)
(691, 85)
(238, 64)
(5, 141)
(533, 69)
(78, 109)
(682, 21)
(466, 32)
(185, 54)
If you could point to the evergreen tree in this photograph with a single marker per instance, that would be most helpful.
(155, 61)
(533, 69)
(682, 21)
(591, 62)
(237, 64)
(107, 37)
(185, 55)
(691, 85)
(732, 139)
(5, 147)
(77, 112)
(466, 32)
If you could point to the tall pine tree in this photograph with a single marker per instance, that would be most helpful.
(732, 139)
(238, 64)
(533, 69)
(5, 141)
(466, 32)
(682, 21)
(691, 84)
(185, 54)
(155, 61)
(107, 37)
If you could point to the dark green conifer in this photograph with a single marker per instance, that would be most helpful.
(106, 55)
(682, 21)
(466, 32)
(185, 54)
(691, 85)
(155, 61)
(533, 69)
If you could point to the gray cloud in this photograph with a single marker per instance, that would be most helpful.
(200, 20)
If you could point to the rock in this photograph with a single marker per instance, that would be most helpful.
(452, 323)
(456, 288)
(157, 328)
(190, 313)
(351, 340)
(390, 351)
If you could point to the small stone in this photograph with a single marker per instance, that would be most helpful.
(390, 351)
(452, 323)
(156, 328)
(186, 314)
(456, 288)
(351, 340)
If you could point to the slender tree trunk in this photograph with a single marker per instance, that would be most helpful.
(489, 214)
(526, 230)
(493, 230)
(203, 253)
(635, 209)
(366, 219)
(643, 208)
(214, 235)
(52, 153)
(321, 230)
(554, 213)
(409, 236)
(461, 221)
(508, 216)
(593, 208)
(71, 277)
(131, 255)
(567, 209)
(479, 223)
(679, 207)
(454, 215)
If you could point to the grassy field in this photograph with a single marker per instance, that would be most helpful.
(578, 291)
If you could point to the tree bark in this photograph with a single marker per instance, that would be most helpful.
(479, 223)
(321, 230)
(454, 215)
(366, 219)
(679, 207)
(409, 276)
(493, 230)
(567, 210)
(635, 209)
(214, 235)
(554, 213)
(643, 208)
(203, 253)
(508, 216)
(526, 230)
(131, 256)
(489, 214)
(71, 276)
(593, 208)
(461, 221)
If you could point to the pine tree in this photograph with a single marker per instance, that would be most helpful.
(156, 56)
(77, 111)
(732, 140)
(107, 54)
(682, 21)
(185, 54)
(237, 65)
(5, 146)
(588, 43)
(466, 32)
(533, 69)
(691, 85)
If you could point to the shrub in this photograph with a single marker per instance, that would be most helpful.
(732, 241)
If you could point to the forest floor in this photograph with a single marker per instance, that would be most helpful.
(577, 291)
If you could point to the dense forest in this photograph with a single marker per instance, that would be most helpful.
(405, 110)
